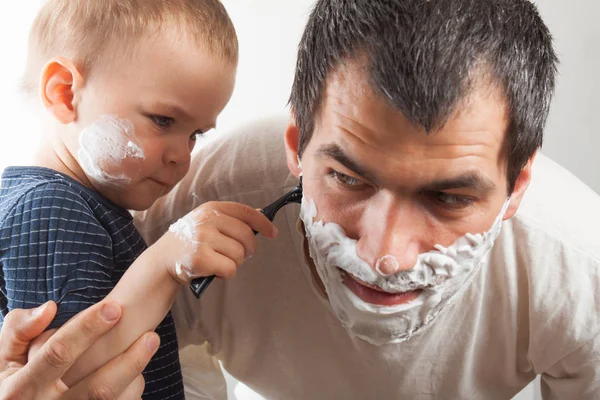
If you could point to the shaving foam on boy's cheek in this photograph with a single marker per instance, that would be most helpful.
(186, 230)
(438, 274)
(108, 150)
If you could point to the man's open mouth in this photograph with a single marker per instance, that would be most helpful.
(375, 295)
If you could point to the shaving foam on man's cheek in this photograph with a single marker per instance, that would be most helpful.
(186, 230)
(107, 148)
(438, 274)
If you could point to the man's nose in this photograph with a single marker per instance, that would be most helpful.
(389, 237)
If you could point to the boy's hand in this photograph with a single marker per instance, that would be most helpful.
(214, 239)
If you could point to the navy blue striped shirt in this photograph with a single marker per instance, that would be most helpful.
(64, 242)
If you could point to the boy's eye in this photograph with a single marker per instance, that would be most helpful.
(162, 121)
(196, 135)
(451, 201)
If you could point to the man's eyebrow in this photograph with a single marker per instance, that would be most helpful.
(337, 153)
(469, 180)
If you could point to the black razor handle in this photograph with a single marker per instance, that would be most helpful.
(199, 285)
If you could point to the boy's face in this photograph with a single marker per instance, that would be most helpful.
(138, 118)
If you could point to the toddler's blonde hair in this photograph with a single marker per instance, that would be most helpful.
(82, 30)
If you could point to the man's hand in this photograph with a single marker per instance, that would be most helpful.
(40, 376)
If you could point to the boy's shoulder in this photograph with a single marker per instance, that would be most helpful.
(39, 191)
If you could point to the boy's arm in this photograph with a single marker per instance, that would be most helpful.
(216, 239)
(53, 248)
(145, 293)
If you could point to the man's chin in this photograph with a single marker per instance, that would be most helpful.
(370, 294)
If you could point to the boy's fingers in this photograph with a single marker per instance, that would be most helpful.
(250, 216)
(217, 264)
(121, 378)
(238, 231)
(230, 248)
(61, 351)
(19, 329)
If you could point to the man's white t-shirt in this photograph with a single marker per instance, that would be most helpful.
(532, 309)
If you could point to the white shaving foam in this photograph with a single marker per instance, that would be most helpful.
(186, 230)
(103, 148)
(184, 272)
(440, 274)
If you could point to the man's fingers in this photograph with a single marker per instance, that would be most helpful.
(135, 390)
(57, 355)
(120, 378)
(39, 342)
(19, 329)
(250, 216)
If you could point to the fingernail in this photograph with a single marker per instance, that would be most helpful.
(152, 343)
(110, 312)
(40, 310)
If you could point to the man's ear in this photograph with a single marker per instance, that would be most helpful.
(292, 139)
(521, 186)
(59, 82)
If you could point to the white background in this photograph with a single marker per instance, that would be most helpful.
(269, 31)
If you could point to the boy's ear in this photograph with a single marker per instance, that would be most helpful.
(521, 186)
(59, 82)
(292, 138)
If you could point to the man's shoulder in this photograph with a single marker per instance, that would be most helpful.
(549, 252)
(559, 208)
(246, 159)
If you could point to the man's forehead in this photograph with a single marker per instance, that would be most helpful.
(351, 104)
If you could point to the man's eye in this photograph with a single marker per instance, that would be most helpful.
(162, 121)
(452, 201)
(346, 180)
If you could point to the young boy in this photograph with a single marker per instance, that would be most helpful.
(129, 85)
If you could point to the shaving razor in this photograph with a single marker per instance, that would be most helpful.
(199, 285)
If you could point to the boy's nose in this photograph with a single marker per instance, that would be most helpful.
(178, 154)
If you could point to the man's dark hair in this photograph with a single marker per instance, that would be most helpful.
(423, 57)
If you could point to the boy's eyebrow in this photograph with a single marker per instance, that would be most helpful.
(468, 180)
(174, 109)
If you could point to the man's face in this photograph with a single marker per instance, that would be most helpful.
(393, 188)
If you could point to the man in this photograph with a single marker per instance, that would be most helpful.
(436, 254)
